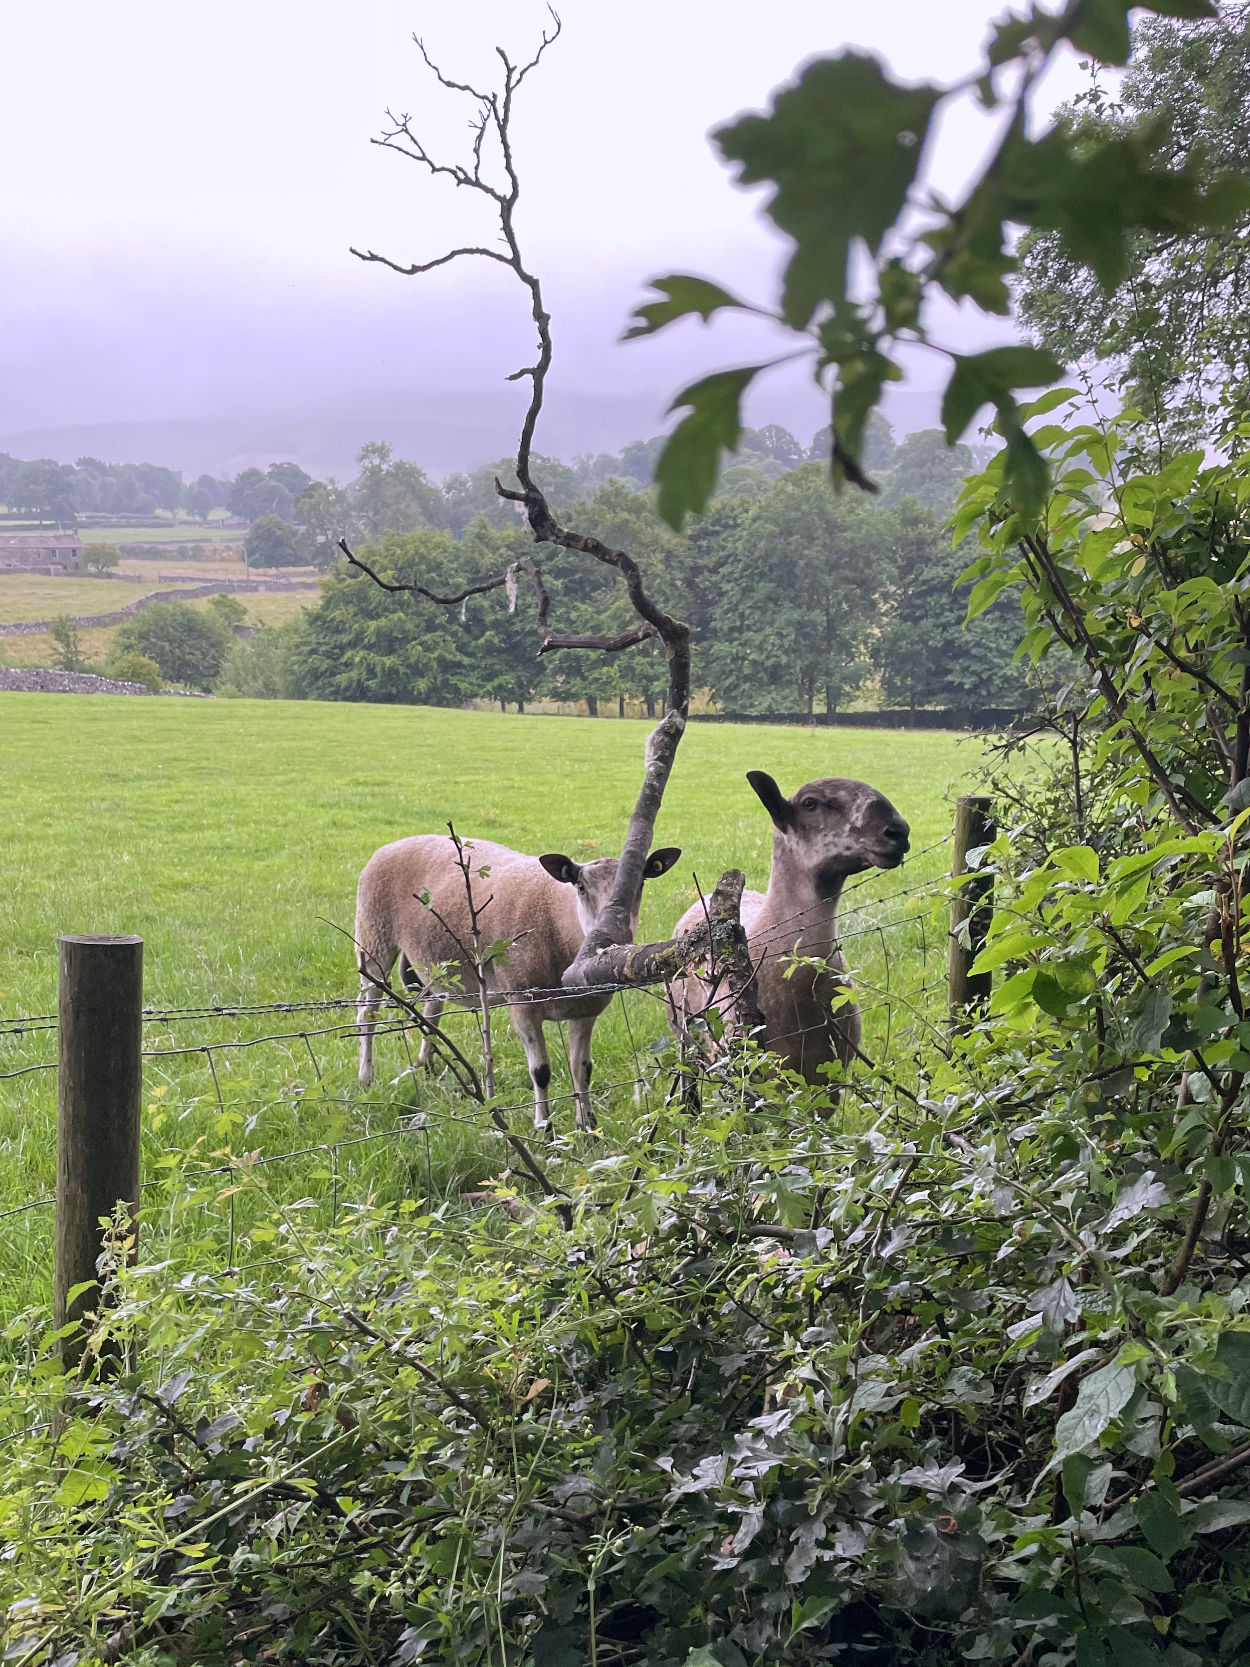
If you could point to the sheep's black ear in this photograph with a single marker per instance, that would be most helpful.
(561, 868)
(659, 862)
(772, 798)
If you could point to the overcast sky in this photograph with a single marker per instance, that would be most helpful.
(185, 182)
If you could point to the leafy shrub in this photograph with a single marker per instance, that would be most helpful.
(266, 665)
(227, 611)
(906, 1396)
(187, 646)
(67, 636)
(273, 542)
(129, 667)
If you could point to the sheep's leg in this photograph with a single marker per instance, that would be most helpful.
(432, 1009)
(372, 967)
(580, 1031)
(530, 1029)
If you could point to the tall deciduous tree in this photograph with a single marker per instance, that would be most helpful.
(186, 644)
(390, 495)
(273, 542)
(1171, 332)
(924, 468)
(927, 653)
(797, 601)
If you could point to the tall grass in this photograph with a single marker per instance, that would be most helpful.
(230, 835)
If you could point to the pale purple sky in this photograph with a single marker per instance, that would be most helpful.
(185, 182)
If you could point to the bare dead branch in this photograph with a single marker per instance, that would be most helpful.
(604, 946)
(608, 645)
(370, 256)
(547, 40)
(444, 80)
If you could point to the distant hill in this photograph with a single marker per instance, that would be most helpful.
(442, 431)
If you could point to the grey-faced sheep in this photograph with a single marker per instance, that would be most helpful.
(825, 832)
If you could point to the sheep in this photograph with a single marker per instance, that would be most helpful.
(826, 831)
(544, 906)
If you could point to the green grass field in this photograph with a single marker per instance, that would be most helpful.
(27, 596)
(193, 531)
(230, 835)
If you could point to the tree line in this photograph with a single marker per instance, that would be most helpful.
(799, 600)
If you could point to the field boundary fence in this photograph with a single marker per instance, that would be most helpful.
(103, 1035)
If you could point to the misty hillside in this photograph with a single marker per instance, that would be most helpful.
(446, 431)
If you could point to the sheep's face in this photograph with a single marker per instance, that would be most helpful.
(834, 826)
(593, 881)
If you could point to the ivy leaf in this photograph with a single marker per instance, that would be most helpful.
(1058, 1304)
(686, 472)
(1151, 1019)
(1102, 1396)
(1142, 1567)
(842, 147)
(684, 297)
(988, 378)
(1165, 1532)
(1084, 1482)
(1232, 1394)
(1145, 1193)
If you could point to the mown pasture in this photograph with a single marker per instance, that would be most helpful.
(28, 597)
(229, 834)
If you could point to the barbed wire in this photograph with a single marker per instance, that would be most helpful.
(233, 1010)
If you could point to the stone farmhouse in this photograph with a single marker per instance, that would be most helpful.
(48, 553)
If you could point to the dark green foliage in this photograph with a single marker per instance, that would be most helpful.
(390, 495)
(272, 492)
(924, 468)
(268, 665)
(273, 542)
(185, 643)
(45, 489)
(70, 654)
(927, 653)
(795, 599)
(1172, 330)
(470, 497)
(842, 147)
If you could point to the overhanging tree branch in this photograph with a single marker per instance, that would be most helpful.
(606, 955)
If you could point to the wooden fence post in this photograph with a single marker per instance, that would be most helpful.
(971, 908)
(100, 1086)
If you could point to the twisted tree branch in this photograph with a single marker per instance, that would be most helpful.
(605, 955)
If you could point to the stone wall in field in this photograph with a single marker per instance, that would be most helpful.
(35, 628)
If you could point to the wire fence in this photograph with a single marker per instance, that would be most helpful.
(908, 1001)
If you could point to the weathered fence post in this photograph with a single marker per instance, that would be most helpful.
(97, 1120)
(971, 908)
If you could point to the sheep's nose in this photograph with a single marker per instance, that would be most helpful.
(897, 833)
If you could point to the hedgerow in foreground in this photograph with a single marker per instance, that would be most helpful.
(781, 1393)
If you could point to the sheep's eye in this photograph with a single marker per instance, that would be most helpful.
(811, 804)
